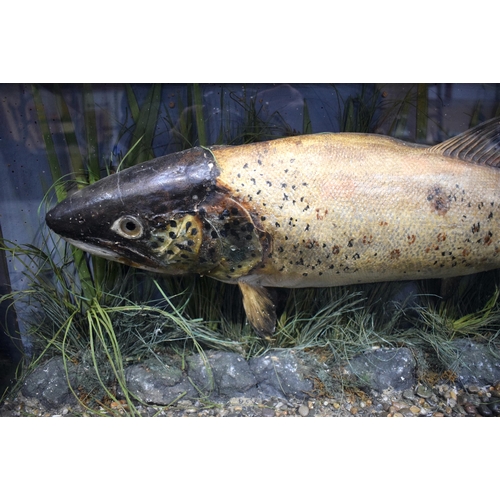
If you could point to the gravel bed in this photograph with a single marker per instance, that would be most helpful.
(282, 383)
(441, 400)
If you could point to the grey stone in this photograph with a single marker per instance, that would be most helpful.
(222, 374)
(280, 373)
(384, 368)
(303, 410)
(158, 381)
(475, 364)
(49, 384)
(423, 391)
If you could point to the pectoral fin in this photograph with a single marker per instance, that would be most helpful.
(259, 308)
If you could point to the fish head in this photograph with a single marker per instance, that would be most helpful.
(166, 215)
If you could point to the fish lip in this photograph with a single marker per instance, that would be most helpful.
(102, 248)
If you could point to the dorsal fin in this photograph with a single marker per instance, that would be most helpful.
(480, 145)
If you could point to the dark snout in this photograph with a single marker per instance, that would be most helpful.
(160, 185)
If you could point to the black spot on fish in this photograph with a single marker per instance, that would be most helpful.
(234, 211)
(188, 225)
(181, 246)
(194, 231)
(277, 224)
(172, 235)
(172, 223)
(440, 203)
(307, 228)
(248, 237)
(214, 234)
(154, 245)
(269, 183)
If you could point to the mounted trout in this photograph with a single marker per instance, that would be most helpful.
(308, 211)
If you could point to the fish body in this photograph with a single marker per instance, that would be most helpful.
(308, 211)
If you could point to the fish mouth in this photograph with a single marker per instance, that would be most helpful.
(101, 249)
(94, 249)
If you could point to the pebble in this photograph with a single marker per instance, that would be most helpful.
(423, 391)
(470, 409)
(408, 394)
(485, 411)
(495, 409)
(303, 410)
(406, 412)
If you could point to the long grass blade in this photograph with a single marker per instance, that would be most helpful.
(198, 110)
(422, 112)
(91, 133)
(145, 126)
(75, 156)
(55, 168)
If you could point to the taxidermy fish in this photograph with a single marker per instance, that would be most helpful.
(308, 211)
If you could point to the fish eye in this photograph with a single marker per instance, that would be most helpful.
(128, 227)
